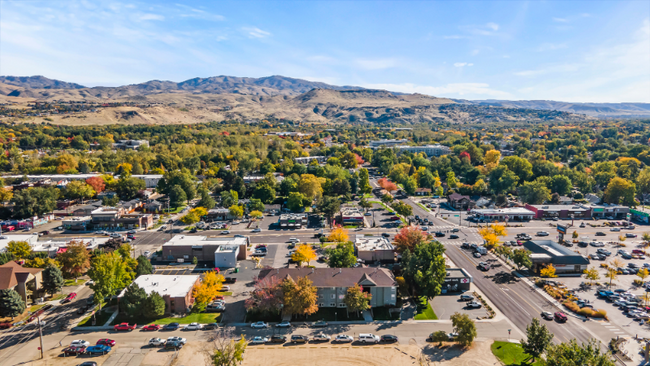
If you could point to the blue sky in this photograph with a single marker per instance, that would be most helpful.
(577, 51)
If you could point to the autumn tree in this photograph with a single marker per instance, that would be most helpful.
(311, 186)
(387, 185)
(620, 191)
(304, 254)
(267, 296)
(208, 289)
(19, 249)
(356, 300)
(643, 274)
(592, 274)
(408, 238)
(227, 351)
(79, 190)
(492, 233)
(256, 214)
(75, 260)
(299, 296)
(236, 211)
(338, 235)
(96, 183)
(109, 273)
(612, 274)
(548, 271)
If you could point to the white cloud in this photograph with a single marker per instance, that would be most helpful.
(376, 64)
(550, 69)
(475, 52)
(152, 17)
(254, 32)
(466, 90)
(463, 64)
(191, 12)
(455, 36)
(488, 29)
(560, 20)
(493, 26)
(544, 47)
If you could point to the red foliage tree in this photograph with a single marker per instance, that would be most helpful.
(465, 154)
(387, 185)
(266, 296)
(408, 238)
(359, 159)
(97, 183)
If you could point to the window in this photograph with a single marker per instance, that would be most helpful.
(332, 304)
(322, 305)
(320, 296)
(341, 304)
(332, 296)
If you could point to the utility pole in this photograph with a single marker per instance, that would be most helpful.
(40, 333)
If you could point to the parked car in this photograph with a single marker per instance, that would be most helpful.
(125, 326)
(615, 229)
(106, 342)
(193, 326)
(542, 233)
(630, 235)
(175, 345)
(600, 233)
(388, 338)
(453, 236)
(560, 317)
(79, 343)
(156, 342)
(256, 230)
(343, 338)
(321, 337)
(73, 351)
(385, 235)
(465, 297)
(474, 305)
(369, 338)
(547, 315)
(71, 296)
(98, 350)
(258, 340)
(177, 339)
(283, 325)
(320, 324)
(477, 254)
(298, 338)
(171, 326)
(483, 266)
(259, 325)
(438, 234)
(151, 327)
(278, 339)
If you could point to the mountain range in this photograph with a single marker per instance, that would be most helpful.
(277, 97)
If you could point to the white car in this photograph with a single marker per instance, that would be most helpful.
(477, 254)
(343, 338)
(193, 326)
(225, 288)
(146, 253)
(131, 232)
(225, 232)
(257, 230)
(615, 229)
(542, 233)
(294, 240)
(259, 325)
(283, 325)
(177, 339)
(156, 342)
(258, 340)
(79, 343)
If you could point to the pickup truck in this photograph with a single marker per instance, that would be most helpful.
(125, 326)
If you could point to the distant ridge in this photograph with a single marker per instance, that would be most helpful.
(602, 110)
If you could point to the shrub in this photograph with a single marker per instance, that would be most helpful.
(571, 306)
(600, 314)
(439, 336)
(604, 265)
(586, 312)
(638, 283)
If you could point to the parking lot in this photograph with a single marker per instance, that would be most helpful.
(446, 305)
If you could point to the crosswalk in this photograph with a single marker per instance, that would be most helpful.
(614, 329)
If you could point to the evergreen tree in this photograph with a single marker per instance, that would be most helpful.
(538, 338)
(134, 300)
(154, 306)
(143, 267)
(52, 279)
(11, 304)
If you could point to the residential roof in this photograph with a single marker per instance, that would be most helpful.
(172, 286)
(457, 197)
(12, 273)
(195, 240)
(423, 190)
(335, 277)
(559, 254)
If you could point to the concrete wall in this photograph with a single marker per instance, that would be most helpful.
(226, 259)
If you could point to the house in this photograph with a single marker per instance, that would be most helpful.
(423, 192)
(332, 283)
(459, 201)
(272, 208)
(183, 248)
(565, 260)
(87, 209)
(154, 206)
(564, 200)
(26, 281)
(374, 249)
(175, 290)
(130, 144)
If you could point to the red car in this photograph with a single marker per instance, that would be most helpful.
(151, 327)
(73, 351)
(5, 325)
(106, 342)
(560, 317)
(125, 326)
(70, 297)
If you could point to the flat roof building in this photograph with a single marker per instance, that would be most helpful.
(428, 150)
(308, 159)
(351, 216)
(226, 256)
(386, 143)
(204, 248)
(6, 239)
(374, 249)
(54, 247)
(176, 290)
(565, 261)
(560, 211)
(292, 220)
(457, 280)
(499, 214)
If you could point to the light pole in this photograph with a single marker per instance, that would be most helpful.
(40, 334)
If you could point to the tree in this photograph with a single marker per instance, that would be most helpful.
(356, 300)
(11, 304)
(620, 189)
(75, 260)
(296, 200)
(5, 195)
(190, 218)
(256, 205)
(129, 188)
(52, 279)
(19, 249)
(534, 193)
(34, 201)
(173, 178)
(266, 296)
(79, 190)
(144, 266)
(451, 180)
(134, 300)
(592, 274)
(310, 186)
(206, 200)
(236, 211)
(264, 193)
(208, 289)
(548, 271)
(363, 203)
(177, 196)
(402, 208)
(154, 306)
(256, 214)
(643, 274)
(410, 186)
(502, 179)
(521, 258)
(425, 268)
(572, 354)
(97, 184)
(6, 257)
(109, 273)
(304, 254)
(329, 206)
(364, 181)
(387, 198)
(387, 185)
(339, 235)
(492, 157)
(465, 328)
(229, 352)
(408, 238)
(491, 234)
(561, 185)
(299, 296)
(612, 274)
(538, 338)
(574, 235)
(41, 262)
(342, 256)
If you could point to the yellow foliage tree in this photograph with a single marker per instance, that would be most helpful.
(492, 233)
(339, 235)
(256, 214)
(643, 274)
(208, 289)
(592, 274)
(548, 271)
(492, 157)
(304, 254)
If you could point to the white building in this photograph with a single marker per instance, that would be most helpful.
(500, 214)
(6, 239)
(130, 144)
(226, 256)
(150, 180)
(374, 248)
(428, 150)
(54, 247)
(387, 143)
(175, 290)
(186, 247)
(305, 160)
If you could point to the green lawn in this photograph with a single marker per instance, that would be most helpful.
(382, 313)
(203, 318)
(226, 293)
(101, 319)
(330, 315)
(56, 297)
(513, 354)
(72, 282)
(424, 311)
(176, 209)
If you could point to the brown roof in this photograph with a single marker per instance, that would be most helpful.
(423, 190)
(11, 273)
(335, 277)
(457, 197)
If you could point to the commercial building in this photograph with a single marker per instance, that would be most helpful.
(130, 144)
(374, 249)
(219, 214)
(116, 217)
(560, 211)
(305, 160)
(428, 150)
(457, 280)
(502, 214)
(387, 143)
(565, 261)
(609, 211)
(351, 216)
(332, 283)
(226, 256)
(293, 220)
(76, 223)
(175, 290)
(150, 180)
(26, 281)
(185, 247)
(31, 239)
(54, 247)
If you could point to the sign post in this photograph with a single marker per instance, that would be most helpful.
(561, 229)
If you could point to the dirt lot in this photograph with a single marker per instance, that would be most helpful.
(389, 355)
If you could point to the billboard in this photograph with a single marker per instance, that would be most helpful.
(561, 229)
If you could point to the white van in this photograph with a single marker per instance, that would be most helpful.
(368, 338)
